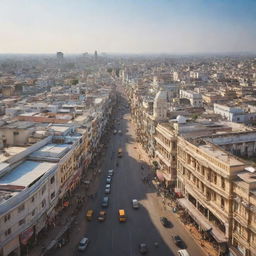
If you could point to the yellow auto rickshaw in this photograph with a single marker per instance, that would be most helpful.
(89, 215)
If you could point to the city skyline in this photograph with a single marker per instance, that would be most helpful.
(137, 27)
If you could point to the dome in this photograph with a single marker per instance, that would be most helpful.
(181, 119)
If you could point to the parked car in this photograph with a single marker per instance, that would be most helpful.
(108, 180)
(102, 216)
(83, 244)
(183, 252)
(107, 189)
(110, 173)
(105, 201)
(165, 222)
(177, 240)
(143, 249)
(135, 204)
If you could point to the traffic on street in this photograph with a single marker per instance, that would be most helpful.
(126, 216)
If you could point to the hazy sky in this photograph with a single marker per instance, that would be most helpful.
(127, 26)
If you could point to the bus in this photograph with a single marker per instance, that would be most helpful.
(119, 152)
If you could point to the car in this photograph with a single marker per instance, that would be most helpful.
(109, 179)
(165, 222)
(110, 173)
(83, 244)
(107, 189)
(183, 252)
(135, 204)
(143, 249)
(105, 201)
(115, 132)
(177, 240)
(120, 132)
(102, 216)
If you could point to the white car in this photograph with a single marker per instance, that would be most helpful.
(107, 189)
(135, 204)
(83, 244)
(110, 172)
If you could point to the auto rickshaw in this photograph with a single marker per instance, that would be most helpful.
(89, 215)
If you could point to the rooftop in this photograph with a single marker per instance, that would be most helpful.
(221, 155)
(51, 151)
(26, 173)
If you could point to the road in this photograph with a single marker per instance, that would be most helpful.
(143, 225)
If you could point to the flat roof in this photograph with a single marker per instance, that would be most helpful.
(51, 150)
(11, 151)
(57, 128)
(18, 125)
(221, 155)
(26, 173)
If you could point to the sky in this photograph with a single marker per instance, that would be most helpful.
(127, 26)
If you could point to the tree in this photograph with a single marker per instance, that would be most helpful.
(74, 81)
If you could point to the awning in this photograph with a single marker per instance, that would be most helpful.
(26, 235)
(167, 176)
(66, 204)
(160, 175)
(202, 221)
(218, 235)
(234, 251)
(199, 218)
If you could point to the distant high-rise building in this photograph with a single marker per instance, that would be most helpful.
(60, 55)
(95, 55)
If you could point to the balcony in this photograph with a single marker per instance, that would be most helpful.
(208, 183)
(241, 219)
(166, 162)
(167, 148)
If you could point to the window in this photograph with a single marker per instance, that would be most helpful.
(15, 133)
(8, 232)
(52, 195)
(7, 217)
(33, 212)
(222, 203)
(43, 203)
(222, 182)
(43, 189)
(21, 222)
(215, 179)
(52, 179)
(21, 208)
(32, 199)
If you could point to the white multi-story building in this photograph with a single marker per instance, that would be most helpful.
(194, 98)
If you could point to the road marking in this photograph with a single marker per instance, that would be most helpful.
(130, 238)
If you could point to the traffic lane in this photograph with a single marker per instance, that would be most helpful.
(139, 221)
(120, 233)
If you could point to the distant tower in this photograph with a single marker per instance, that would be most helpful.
(95, 55)
(160, 106)
(60, 56)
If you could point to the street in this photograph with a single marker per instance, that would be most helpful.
(143, 225)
